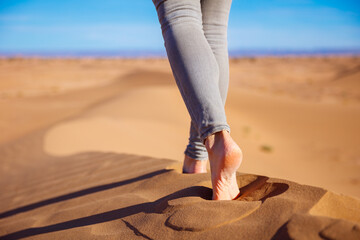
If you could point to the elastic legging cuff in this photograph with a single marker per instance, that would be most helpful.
(198, 156)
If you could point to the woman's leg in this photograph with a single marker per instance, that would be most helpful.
(193, 63)
(196, 72)
(215, 15)
(196, 156)
(224, 154)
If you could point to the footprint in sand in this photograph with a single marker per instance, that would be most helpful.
(205, 215)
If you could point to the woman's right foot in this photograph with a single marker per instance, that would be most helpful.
(194, 166)
(225, 158)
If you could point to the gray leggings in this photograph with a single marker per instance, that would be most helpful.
(195, 38)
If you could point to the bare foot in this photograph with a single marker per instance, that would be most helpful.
(225, 158)
(194, 166)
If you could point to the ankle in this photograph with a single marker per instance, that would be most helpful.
(194, 166)
(223, 150)
(214, 138)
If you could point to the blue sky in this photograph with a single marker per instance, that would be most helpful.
(93, 25)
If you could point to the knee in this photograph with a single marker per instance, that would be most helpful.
(179, 13)
(217, 38)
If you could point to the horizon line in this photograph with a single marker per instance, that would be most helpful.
(145, 53)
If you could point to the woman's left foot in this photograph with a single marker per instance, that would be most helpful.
(225, 158)
(194, 166)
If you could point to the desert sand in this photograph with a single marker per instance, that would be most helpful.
(92, 148)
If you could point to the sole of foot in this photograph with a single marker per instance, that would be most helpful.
(225, 158)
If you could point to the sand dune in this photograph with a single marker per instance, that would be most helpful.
(123, 196)
(92, 148)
